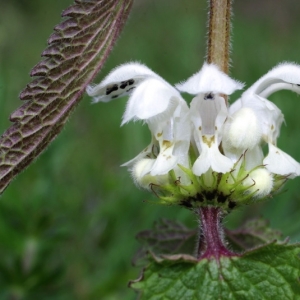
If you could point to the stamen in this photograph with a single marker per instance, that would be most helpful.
(209, 96)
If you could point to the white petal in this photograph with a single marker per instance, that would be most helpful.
(235, 106)
(172, 133)
(254, 158)
(242, 130)
(142, 167)
(146, 152)
(121, 81)
(268, 113)
(283, 76)
(165, 161)
(182, 123)
(208, 115)
(211, 157)
(142, 177)
(279, 162)
(221, 116)
(209, 79)
(150, 98)
(181, 149)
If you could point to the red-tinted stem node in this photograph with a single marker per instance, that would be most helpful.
(211, 242)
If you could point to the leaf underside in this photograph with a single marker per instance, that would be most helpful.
(269, 272)
(76, 52)
(166, 237)
(169, 237)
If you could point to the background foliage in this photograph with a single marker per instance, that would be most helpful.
(67, 224)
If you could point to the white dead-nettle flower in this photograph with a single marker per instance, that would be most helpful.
(208, 114)
(158, 104)
(266, 120)
(208, 138)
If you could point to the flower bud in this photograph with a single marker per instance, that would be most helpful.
(259, 182)
(141, 174)
(243, 131)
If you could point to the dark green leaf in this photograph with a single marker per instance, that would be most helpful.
(269, 272)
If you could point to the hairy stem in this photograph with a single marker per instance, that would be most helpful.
(218, 44)
(211, 238)
(211, 242)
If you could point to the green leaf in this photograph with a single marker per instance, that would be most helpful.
(77, 50)
(253, 233)
(166, 237)
(268, 272)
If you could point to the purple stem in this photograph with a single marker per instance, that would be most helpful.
(211, 240)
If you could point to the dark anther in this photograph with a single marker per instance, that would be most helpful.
(177, 182)
(199, 197)
(209, 96)
(123, 84)
(231, 204)
(209, 196)
(130, 81)
(130, 89)
(221, 198)
(111, 89)
(186, 203)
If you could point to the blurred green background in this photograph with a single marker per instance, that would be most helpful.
(68, 223)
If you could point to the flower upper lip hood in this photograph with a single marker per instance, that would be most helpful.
(118, 82)
(219, 134)
(209, 79)
(157, 103)
(284, 76)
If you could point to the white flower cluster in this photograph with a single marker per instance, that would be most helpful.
(209, 137)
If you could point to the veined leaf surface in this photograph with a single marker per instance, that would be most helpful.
(76, 52)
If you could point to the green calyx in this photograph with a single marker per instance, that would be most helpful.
(226, 191)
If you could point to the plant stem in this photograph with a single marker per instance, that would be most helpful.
(211, 239)
(218, 44)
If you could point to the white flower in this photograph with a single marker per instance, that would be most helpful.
(209, 138)
(158, 104)
(267, 117)
(208, 114)
(141, 174)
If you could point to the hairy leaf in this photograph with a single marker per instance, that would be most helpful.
(76, 52)
(169, 237)
(252, 234)
(166, 237)
(269, 272)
